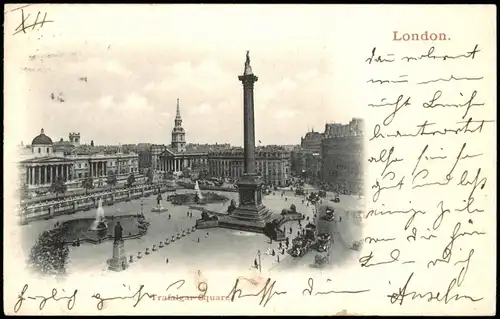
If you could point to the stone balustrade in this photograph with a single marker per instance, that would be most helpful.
(84, 203)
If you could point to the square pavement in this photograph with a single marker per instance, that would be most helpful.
(218, 248)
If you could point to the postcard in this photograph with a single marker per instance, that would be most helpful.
(249, 159)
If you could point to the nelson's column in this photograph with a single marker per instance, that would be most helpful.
(251, 214)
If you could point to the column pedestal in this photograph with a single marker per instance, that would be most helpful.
(251, 214)
(119, 260)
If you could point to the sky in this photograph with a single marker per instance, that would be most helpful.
(138, 59)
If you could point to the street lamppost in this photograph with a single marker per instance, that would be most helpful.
(260, 264)
(142, 204)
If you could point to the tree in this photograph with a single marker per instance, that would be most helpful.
(49, 255)
(130, 180)
(186, 171)
(112, 180)
(24, 191)
(88, 183)
(58, 186)
(92, 143)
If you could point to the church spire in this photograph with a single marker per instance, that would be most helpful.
(178, 133)
(178, 113)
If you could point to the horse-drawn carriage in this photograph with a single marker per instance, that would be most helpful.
(300, 246)
(336, 199)
(323, 242)
(329, 214)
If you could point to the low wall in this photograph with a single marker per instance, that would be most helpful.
(85, 203)
(207, 188)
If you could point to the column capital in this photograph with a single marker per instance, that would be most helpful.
(248, 79)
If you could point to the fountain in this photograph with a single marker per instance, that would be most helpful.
(198, 191)
(159, 208)
(99, 222)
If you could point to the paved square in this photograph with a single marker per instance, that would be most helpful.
(220, 249)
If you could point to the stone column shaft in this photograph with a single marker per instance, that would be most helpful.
(248, 122)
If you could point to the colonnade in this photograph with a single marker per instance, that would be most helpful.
(46, 174)
(178, 164)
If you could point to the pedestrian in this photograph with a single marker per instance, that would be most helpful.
(255, 263)
(198, 239)
(169, 216)
(166, 261)
(278, 258)
(340, 218)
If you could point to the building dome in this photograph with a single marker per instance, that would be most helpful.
(42, 139)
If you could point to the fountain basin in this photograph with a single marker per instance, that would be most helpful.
(133, 227)
(159, 209)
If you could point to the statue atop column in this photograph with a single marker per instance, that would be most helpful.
(158, 199)
(118, 232)
(248, 68)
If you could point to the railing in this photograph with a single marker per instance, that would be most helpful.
(71, 184)
(85, 203)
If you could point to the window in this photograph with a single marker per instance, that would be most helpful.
(39, 150)
(48, 150)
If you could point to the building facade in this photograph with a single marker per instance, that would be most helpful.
(319, 149)
(305, 163)
(272, 163)
(179, 155)
(312, 141)
(342, 162)
(342, 155)
(145, 156)
(354, 128)
(42, 165)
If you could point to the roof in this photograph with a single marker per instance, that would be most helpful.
(42, 139)
(313, 136)
(190, 150)
(46, 159)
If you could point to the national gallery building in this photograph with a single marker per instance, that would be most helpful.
(41, 163)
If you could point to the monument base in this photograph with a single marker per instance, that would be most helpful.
(159, 209)
(251, 215)
(119, 261)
